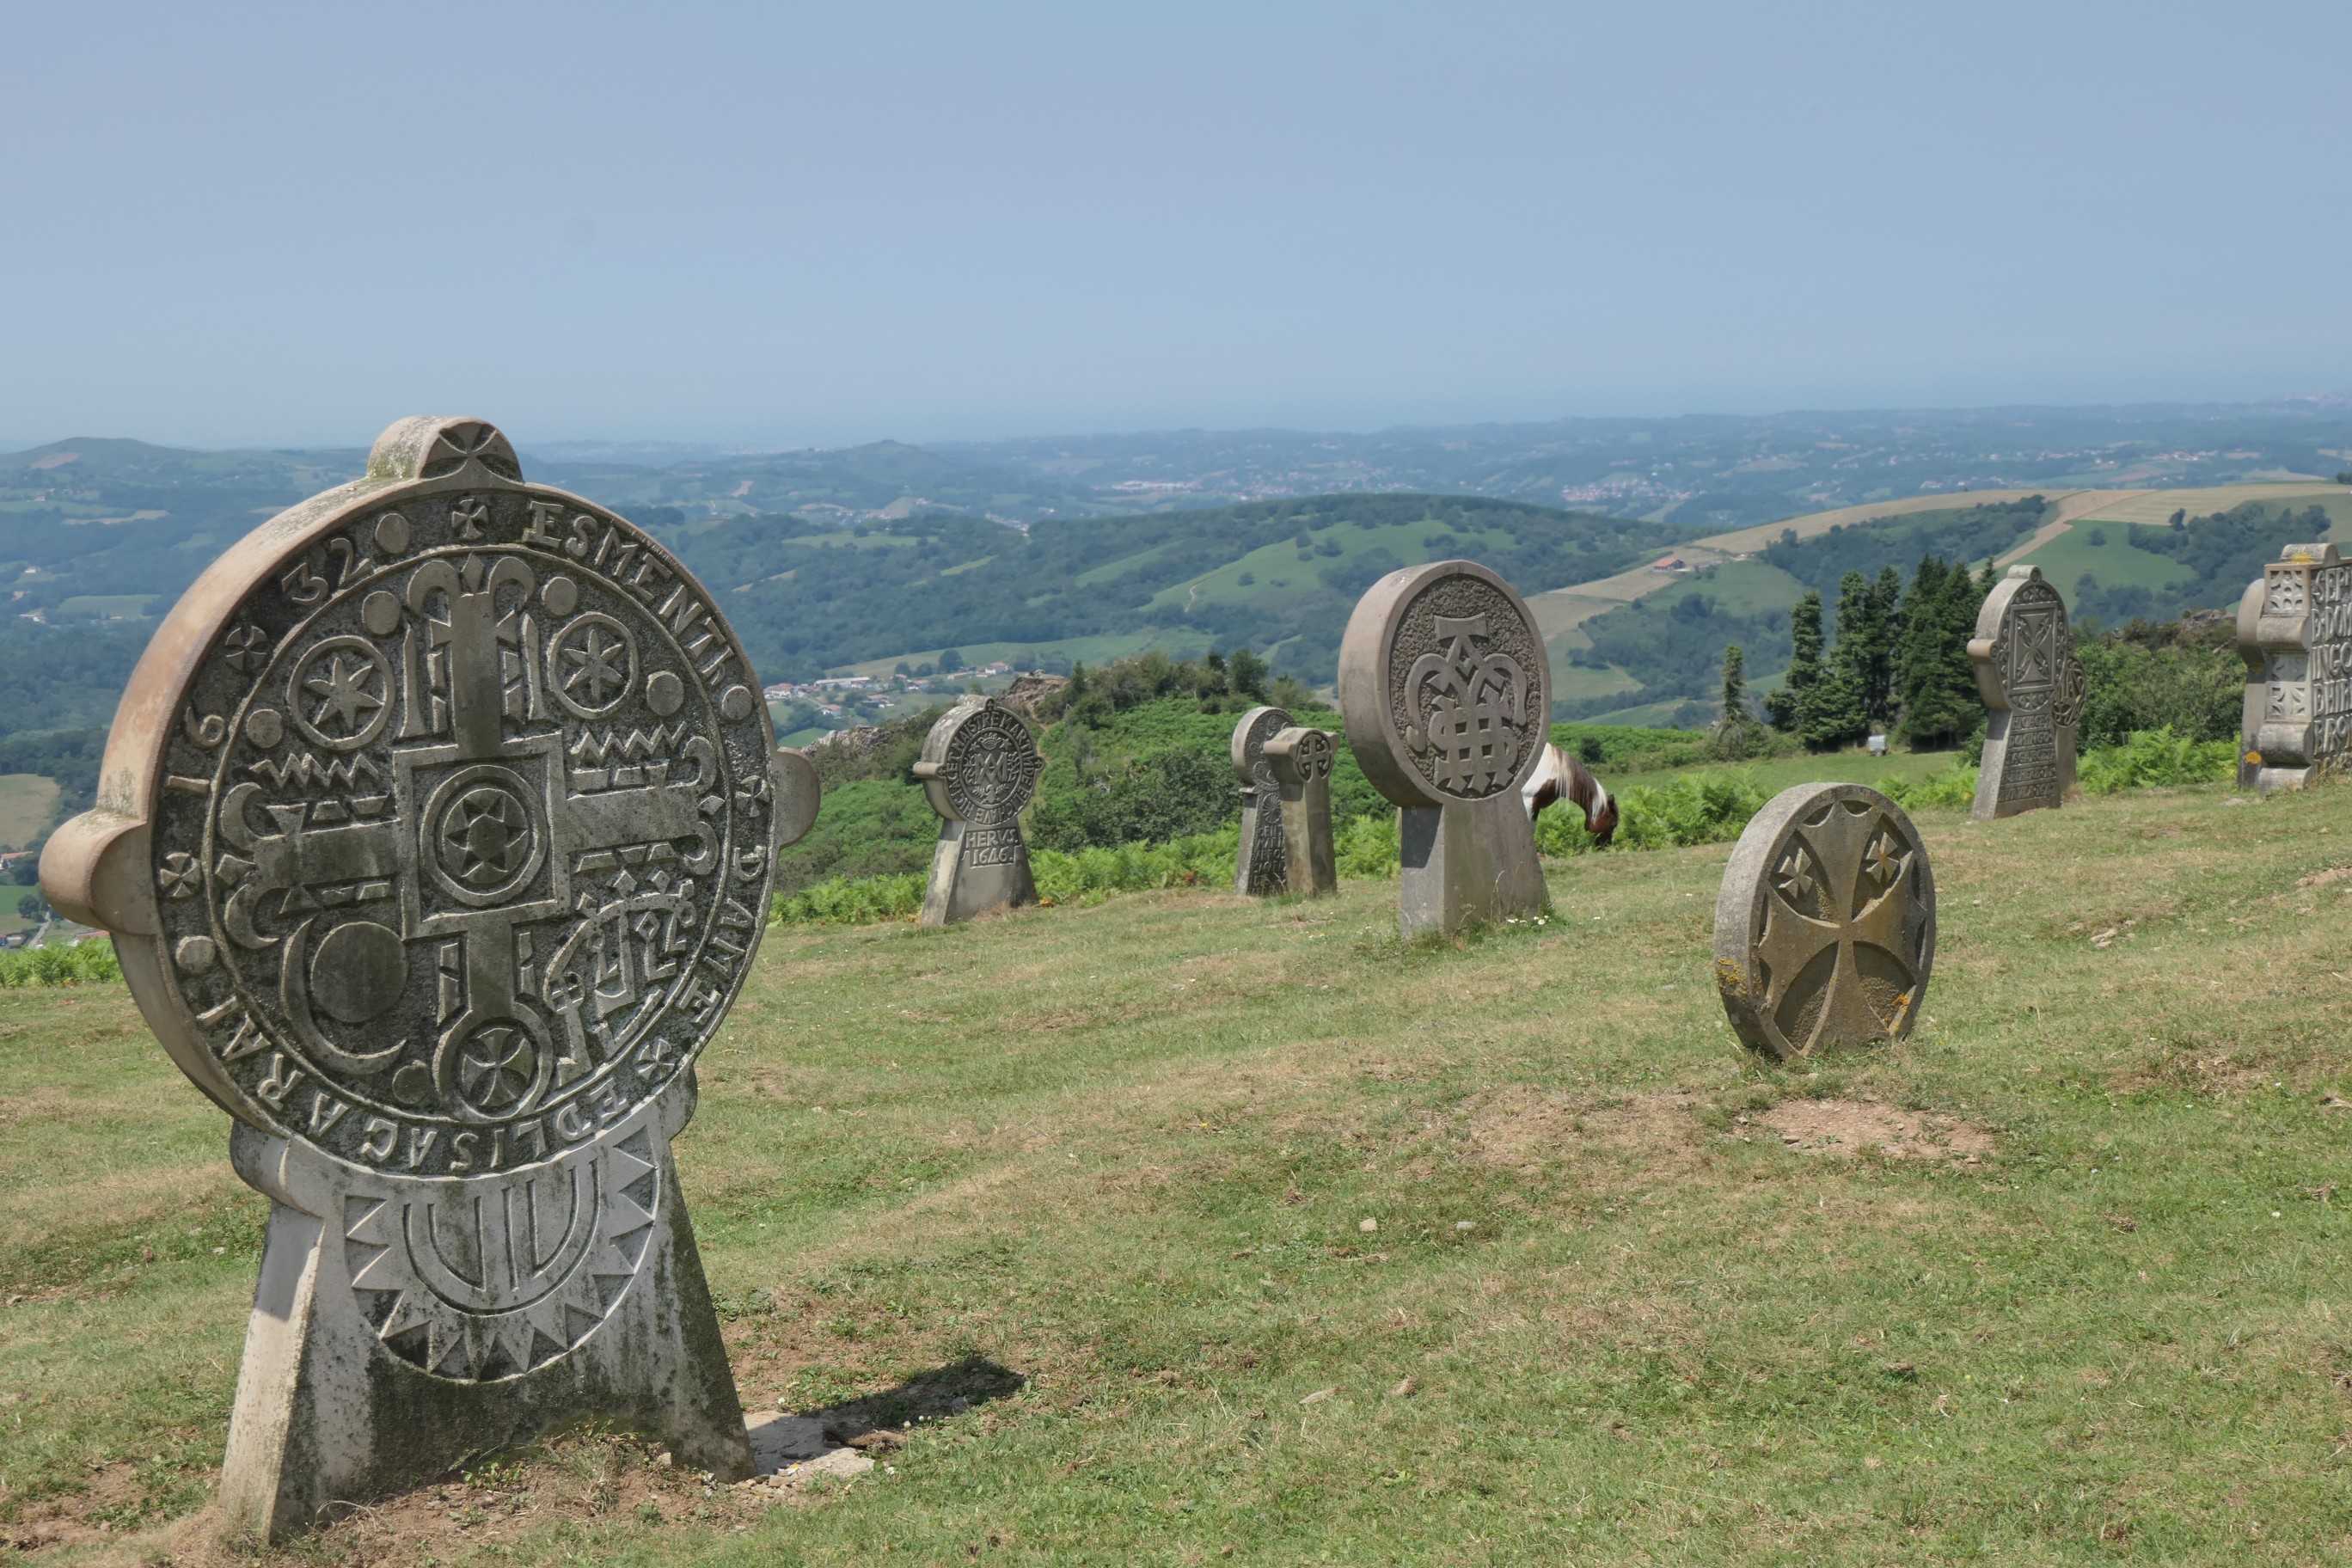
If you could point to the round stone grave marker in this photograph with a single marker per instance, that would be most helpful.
(1825, 929)
(438, 832)
(1446, 691)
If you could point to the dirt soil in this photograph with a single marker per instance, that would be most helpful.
(1848, 1127)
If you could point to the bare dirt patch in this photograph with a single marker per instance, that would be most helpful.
(1523, 1128)
(1851, 1127)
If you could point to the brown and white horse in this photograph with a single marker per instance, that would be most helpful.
(1559, 776)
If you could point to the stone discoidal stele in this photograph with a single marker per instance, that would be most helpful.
(979, 764)
(445, 940)
(1446, 690)
(1259, 863)
(1825, 927)
(2035, 688)
(2294, 632)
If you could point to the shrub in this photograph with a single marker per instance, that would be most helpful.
(90, 962)
(1368, 845)
(1954, 786)
(853, 900)
(1698, 808)
(1089, 876)
(2153, 759)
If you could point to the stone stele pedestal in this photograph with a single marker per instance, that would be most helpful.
(1259, 865)
(1446, 691)
(2294, 632)
(1825, 929)
(436, 831)
(2034, 686)
(1300, 759)
(978, 767)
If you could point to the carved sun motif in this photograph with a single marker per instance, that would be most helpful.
(483, 1290)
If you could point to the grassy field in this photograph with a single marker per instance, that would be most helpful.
(2115, 563)
(2060, 1280)
(2158, 506)
(27, 803)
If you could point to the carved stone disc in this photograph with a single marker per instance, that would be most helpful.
(1445, 685)
(1825, 930)
(987, 764)
(461, 806)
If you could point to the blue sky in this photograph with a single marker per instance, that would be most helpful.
(778, 224)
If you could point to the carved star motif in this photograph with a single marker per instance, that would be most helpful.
(343, 691)
(599, 663)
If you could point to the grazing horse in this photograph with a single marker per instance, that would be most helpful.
(1561, 777)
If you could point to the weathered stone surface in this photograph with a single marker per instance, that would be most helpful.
(1825, 927)
(2034, 686)
(978, 765)
(2294, 632)
(1259, 865)
(1300, 761)
(1446, 691)
(436, 832)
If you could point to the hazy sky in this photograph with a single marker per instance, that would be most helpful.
(789, 225)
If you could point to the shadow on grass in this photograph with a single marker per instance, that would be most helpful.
(927, 1396)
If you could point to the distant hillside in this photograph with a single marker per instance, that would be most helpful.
(1647, 647)
(1281, 576)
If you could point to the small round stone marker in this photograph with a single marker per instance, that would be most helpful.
(736, 703)
(562, 596)
(380, 613)
(265, 727)
(665, 693)
(1825, 929)
(195, 954)
(391, 533)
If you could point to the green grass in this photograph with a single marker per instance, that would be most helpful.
(1122, 1152)
(27, 801)
(2117, 563)
(1274, 567)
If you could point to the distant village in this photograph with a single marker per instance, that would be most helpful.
(834, 695)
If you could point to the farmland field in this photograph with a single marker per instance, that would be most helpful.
(2058, 1280)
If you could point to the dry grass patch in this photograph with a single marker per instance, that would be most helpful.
(1845, 1128)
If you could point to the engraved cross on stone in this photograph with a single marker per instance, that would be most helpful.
(1836, 886)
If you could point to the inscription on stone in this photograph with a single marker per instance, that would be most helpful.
(438, 832)
(2294, 632)
(1300, 761)
(979, 766)
(1259, 866)
(2033, 686)
(1446, 691)
(1825, 929)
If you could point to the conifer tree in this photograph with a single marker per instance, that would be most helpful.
(1941, 705)
(1736, 732)
(1785, 704)
(1883, 632)
(1836, 710)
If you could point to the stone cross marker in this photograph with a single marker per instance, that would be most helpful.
(979, 766)
(1446, 691)
(1825, 927)
(2034, 686)
(436, 834)
(1300, 759)
(2294, 632)
(1260, 867)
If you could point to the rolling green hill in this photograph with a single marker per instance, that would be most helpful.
(1644, 647)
